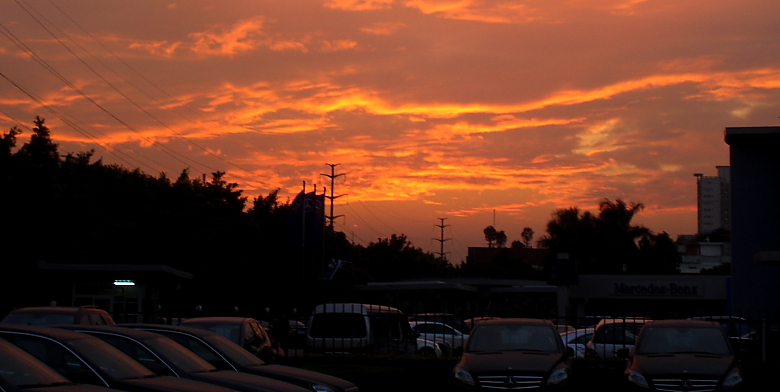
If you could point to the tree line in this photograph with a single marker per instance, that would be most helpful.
(73, 208)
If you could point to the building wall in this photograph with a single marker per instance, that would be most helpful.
(755, 186)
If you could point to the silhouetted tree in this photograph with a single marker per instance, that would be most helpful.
(607, 242)
(501, 239)
(528, 236)
(491, 235)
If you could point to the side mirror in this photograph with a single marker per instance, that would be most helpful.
(569, 352)
(623, 353)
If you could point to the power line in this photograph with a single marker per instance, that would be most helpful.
(126, 97)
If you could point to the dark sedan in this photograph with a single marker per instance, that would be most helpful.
(85, 359)
(21, 371)
(166, 357)
(682, 355)
(513, 354)
(226, 355)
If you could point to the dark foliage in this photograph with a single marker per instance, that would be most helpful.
(608, 243)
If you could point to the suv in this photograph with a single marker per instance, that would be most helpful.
(359, 328)
(57, 315)
(682, 355)
(612, 334)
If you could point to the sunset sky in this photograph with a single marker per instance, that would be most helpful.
(477, 111)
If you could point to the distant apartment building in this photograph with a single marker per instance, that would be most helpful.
(714, 200)
(711, 246)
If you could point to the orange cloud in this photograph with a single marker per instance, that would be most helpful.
(383, 28)
(241, 37)
(337, 46)
(158, 48)
(489, 11)
(358, 5)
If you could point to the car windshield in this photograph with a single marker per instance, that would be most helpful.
(233, 352)
(230, 331)
(21, 318)
(695, 340)
(23, 370)
(109, 359)
(508, 337)
(176, 354)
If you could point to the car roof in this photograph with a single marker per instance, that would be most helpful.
(216, 320)
(175, 328)
(632, 320)
(354, 308)
(133, 333)
(683, 324)
(515, 321)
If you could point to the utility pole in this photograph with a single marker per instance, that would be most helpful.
(442, 239)
(332, 197)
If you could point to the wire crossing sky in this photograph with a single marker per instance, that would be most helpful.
(432, 108)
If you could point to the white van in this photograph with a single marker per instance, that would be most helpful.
(347, 328)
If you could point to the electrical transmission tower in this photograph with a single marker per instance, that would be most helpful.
(332, 177)
(442, 254)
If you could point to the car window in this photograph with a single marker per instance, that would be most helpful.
(137, 352)
(55, 355)
(617, 334)
(193, 345)
(338, 325)
(682, 340)
(20, 368)
(513, 337)
(230, 331)
(581, 339)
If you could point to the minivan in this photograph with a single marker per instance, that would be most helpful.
(348, 328)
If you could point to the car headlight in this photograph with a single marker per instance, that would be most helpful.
(464, 376)
(558, 375)
(638, 379)
(733, 378)
(321, 388)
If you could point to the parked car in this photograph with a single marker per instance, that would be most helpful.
(513, 354)
(21, 371)
(226, 355)
(612, 334)
(564, 328)
(55, 315)
(578, 340)
(440, 332)
(165, 357)
(86, 359)
(743, 334)
(429, 348)
(682, 355)
(452, 320)
(359, 328)
(474, 320)
(244, 331)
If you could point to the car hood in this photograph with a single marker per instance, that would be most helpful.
(169, 384)
(298, 376)
(246, 382)
(682, 364)
(501, 361)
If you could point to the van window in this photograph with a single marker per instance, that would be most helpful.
(338, 325)
(389, 327)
